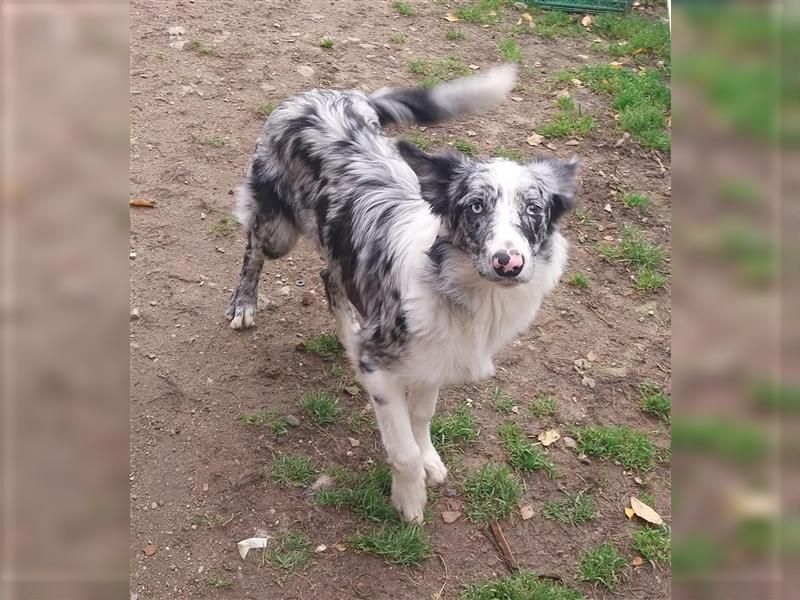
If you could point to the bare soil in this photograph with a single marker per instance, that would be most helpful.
(192, 377)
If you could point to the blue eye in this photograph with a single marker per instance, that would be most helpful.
(476, 207)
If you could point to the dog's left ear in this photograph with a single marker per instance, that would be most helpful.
(565, 172)
(435, 172)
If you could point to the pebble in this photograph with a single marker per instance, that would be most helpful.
(581, 364)
(177, 30)
(569, 442)
(450, 516)
(153, 303)
(320, 548)
(133, 255)
(354, 443)
(292, 421)
(202, 216)
(135, 314)
(588, 382)
(305, 71)
(285, 290)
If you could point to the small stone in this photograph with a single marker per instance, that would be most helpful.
(320, 548)
(450, 516)
(305, 71)
(607, 208)
(135, 314)
(577, 82)
(591, 356)
(569, 442)
(132, 255)
(638, 480)
(573, 143)
(154, 505)
(202, 216)
(583, 57)
(552, 147)
(526, 512)
(177, 30)
(340, 547)
(292, 421)
(474, 67)
(307, 299)
(581, 365)
(367, 46)
(516, 98)
(150, 550)
(471, 133)
(178, 44)
(285, 291)
(588, 382)
(151, 356)
(534, 139)
(354, 443)
(153, 303)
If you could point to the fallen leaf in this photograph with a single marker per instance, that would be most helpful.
(534, 139)
(551, 147)
(516, 98)
(572, 143)
(515, 409)
(526, 512)
(149, 550)
(143, 202)
(570, 443)
(586, 21)
(340, 547)
(527, 17)
(607, 208)
(474, 67)
(645, 512)
(450, 516)
(629, 513)
(637, 561)
(354, 443)
(638, 480)
(577, 82)
(251, 543)
(451, 17)
(615, 64)
(549, 437)
(638, 51)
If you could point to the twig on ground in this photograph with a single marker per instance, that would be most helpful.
(505, 549)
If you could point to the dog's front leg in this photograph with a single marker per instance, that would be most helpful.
(408, 473)
(421, 406)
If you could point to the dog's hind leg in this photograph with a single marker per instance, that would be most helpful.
(421, 407)
(266, 238)
(346, 318)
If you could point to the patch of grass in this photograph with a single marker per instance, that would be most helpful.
(210, 520)
(220, 582)
(224, 226)
(636, 201)
(502, 401)
(403, 8)
(522, 585)
(510, 50)
(646, 257)
(415, 137)
(654, 544)
(655, 401)
(365, 493)
(543, 406)
(435, 72)
(602, 564)
(326, 42)
(202, 48)
(264, 109)
(451, 429)
(484, 12)
(212, 140)
(632, 449)
(490, 493)
(277, 424)
(723, 437)
(523, 455)
(579, 280)
(398, 38)
(573, 509)
(641, 36)
(361, 419)
(454, 34)
(292, 471)
(583, 217)
(325, 344)
(404, 544)
(464, 146)
(648, 280)
(508, 153)
(568, 121)
(290, 552)
(321, 407)
(555, 23)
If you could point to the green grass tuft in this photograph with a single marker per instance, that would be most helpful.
(724, 437)
(454, 34)
(510, 50)
(646, 257)
(288, 471)
(404, 544)
(326, 42)
(502, 401)
(464, 146)
(654, 544)
(508, 153)
(491, 493)
(655, 401)
(212, 140)
(484, 12)
(321, 407)
(523, 455)
(264, 109)
(602, 564)
(202, 48)
(636, 201)
(365, 493)
(579, 280)
(219, 581)
(648, 280)
(423, 143)
(522, 585)
(225, 226)
(573, 509)
(543, 406)
(568, 121)
(403, 8)
(277, 424)
(435, 72)
(290, 552)
(209, 520)
(398, 38)
(325, 344)
(554, 23)
(641, 36)
(451, 429)
(631, 448)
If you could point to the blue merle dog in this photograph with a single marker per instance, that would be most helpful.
(434, 261)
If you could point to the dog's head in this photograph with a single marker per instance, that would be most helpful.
(498, 212)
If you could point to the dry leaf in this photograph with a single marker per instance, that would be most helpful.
(552, 147)
(354, 443)
(548, 437)
(142, 202)
(516, 98)
(450, 516)
(526, 512)
(570, 443)
(645, 512)
(615, 64)
(340, 547)
(451, 17)
(577, 82)
(572, 143)
(638, 51)
(637, 561)
(534, 139)
(629, 513)
(586, 21)
(527, 17)
(515, 409)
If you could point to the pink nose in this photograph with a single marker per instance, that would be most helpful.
(507, 263)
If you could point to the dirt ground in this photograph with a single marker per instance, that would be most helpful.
(192, 377)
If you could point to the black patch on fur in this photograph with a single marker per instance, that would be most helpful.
(343, 250)
(559, 205)
(435, 173)
(365, 366)
(271, 203)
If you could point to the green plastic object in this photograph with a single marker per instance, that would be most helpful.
(584, 6)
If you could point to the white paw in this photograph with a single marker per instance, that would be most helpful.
(409, 498)
(435, 471)
(244, 317)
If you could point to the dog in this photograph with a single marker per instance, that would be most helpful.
(434, 261)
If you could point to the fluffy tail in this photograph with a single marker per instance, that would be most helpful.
(409, 106)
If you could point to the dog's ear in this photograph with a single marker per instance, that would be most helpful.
(435, 173)
(565, 173)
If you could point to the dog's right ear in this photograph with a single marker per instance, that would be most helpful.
(435, 172)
